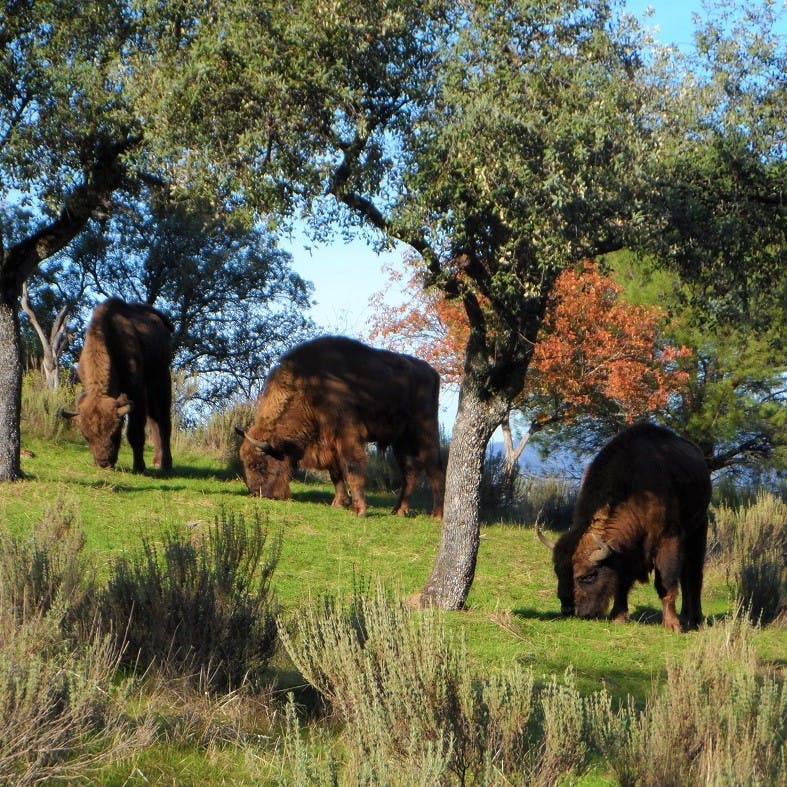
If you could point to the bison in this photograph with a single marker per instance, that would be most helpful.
(325, 400)
(124, 368)
(642, 505)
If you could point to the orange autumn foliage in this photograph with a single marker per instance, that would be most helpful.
(596, 352)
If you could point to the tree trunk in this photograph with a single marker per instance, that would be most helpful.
(10, 390)
(454, 566)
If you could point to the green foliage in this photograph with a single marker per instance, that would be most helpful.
(751, 541)
(209, 596)
(733, 405)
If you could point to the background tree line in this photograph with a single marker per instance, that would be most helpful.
(503, 142)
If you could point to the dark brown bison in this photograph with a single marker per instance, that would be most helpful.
(643, 505)
(324, 401)
(124, 368)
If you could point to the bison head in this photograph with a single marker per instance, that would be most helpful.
(267, 469)
(100, 419)
(586, 582)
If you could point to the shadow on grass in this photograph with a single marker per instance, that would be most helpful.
(525, 613)
(647, 616)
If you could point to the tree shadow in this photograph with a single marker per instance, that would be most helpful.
(526, 613)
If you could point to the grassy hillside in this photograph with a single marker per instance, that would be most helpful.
(512, 615)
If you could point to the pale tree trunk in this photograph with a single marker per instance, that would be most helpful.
(512, 452)
(53, 345)
(454, 566)
(10, 390)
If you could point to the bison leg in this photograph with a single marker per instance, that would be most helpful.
(668, 570)
(135, 432)
(410, 470)
(694, 546)
(353, 466)
(341, 499)
(160, 435)
(436, 476)
(620, 607)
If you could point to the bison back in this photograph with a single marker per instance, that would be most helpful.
(645, 459)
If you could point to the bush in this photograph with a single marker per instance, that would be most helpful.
(752, 541)
(203, 607)
(524, 499)
(719, 720)
(217, 434)
(48, 567)
(413, 711)
(41, 405)
(62, 710)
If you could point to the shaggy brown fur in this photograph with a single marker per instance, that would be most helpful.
(643, 505)
(325, 400)
(125, 370)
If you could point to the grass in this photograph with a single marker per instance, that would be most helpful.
(512, 613)
(512, 617)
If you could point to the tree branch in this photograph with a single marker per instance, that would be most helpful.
(87, 200)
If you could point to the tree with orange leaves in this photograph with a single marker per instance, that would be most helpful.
(597, 355)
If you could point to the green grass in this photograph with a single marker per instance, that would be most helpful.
(512, 613)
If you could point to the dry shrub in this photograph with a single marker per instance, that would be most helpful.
(720, 719)
(41, 405)
(62, 709)
(413, 711)
(217, 434)
(48, 567)
(201, 606)
(751, 541)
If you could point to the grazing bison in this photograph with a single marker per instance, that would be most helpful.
(124, 368)
(324, 401)
(643, 505)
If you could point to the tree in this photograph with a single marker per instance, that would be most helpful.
(720, 222)
(72, 135)
(65, 130)
(734, 404)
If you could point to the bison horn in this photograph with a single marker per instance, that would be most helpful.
(260, 445)
(603, 551)
(542, 537)
(64, 412)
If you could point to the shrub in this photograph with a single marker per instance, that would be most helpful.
(413, 711)
(63, 711)
(521, 498)
(719, 719)
(48, 567)
(202, 606)
(752, 541)
(217, 434)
